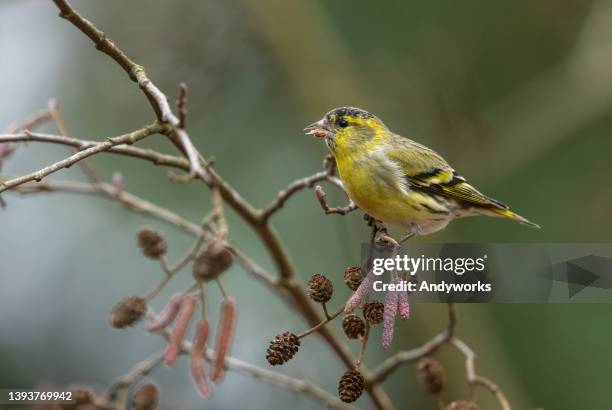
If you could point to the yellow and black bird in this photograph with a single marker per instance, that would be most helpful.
(399, 181)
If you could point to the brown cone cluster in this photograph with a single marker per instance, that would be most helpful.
(351, 386)
(320, 288)
(146, 397)
(353, 277)
(461, 405)
(213, 261)
(282, 348)
(373, 312)
(127, 312)
(353, 326)
(431, 375)
(151, 243)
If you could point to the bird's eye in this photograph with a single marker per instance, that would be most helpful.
(343, 123)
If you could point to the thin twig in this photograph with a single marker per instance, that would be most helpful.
(342, 210)
(129, 138)
(268, 376)
(157, 99)
(321, 324)
(476, 380)
(408, 356)
(136, 204)
(138, 372)
(292, 188)
(364, 344)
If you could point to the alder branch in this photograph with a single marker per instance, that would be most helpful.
(129, 138)
(155, 157)
(322, 198)
(157, 99)
(476, 380)
(268, 376)
(408, 356)
(139, 205)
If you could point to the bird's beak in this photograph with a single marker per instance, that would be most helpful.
(318, 129)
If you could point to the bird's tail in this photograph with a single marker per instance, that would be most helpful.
(509, 214)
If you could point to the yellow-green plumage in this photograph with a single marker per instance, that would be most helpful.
(397, 180)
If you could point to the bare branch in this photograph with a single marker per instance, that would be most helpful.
(129, 138)
(271, 377)
(156, 97)
(143, 153)
(394, 362)
(342, 210)
(140, 205)
(475, 380)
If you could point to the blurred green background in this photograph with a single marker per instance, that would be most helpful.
(516, 95)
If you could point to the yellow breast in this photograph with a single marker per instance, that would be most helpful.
(377, 189)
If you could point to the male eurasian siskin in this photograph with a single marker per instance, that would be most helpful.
(396, 180)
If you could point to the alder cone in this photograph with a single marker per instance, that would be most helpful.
(213, 261)
(373, 312)
(353, 277)
(127, 312)
(353, 326)
(351, 386)
(282, 348)
(151, 243)
(320, 288)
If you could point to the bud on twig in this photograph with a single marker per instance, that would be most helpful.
(353, 326)
(320, 288)
(353, 277)
(431, 375)
(127, 312)
(373, 312)
(282, 348)
(167, 315)
(146, 397)
(196, 363)
(180, 328)
(151, 243)
(351, 386)
(461, 405)
(213, 261)
(225, 335)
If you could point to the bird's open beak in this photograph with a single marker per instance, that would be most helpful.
(318, 129)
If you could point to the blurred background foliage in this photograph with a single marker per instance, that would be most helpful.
(516, 95)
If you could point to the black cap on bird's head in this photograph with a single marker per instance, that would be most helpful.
(336, 119)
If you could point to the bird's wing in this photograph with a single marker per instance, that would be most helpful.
(428, 172)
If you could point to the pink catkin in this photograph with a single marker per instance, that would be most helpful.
(391, 303)
(196, 363)
(360, 294)
(167, 315)
(225, 334)
(402, 303)
(185, 313)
